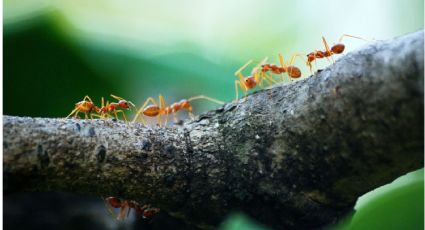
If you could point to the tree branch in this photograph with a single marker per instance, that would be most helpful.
(293, 156)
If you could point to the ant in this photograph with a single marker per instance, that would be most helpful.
(155, 110)
(335, 49)
(126, 205)
(106, 110)
(256, 77)
(85, 106)
(293, 71)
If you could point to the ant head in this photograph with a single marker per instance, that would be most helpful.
(250, 82)
(125, 104)
(250, 79)
(310, 57)
(184, 103)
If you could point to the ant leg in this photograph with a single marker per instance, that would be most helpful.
(242, 68)
(237, 82)
(259, 76)
(163, 107)
(315, 60)
(159, 120)
(262, 62)
(128, 212)
(282, 64)
(122, 213)
(123, 115)
(140, 111)
(328, 50)
(88, 98)
(255, 71)
(76, 116)
(269, 79)
(241, 78)
(310, 66)
(191, 116)
(175, 118)
(166, 120)
(295, 56)
(98, 116)
(109, 208)
(162, 104)
(73, 111)
(347, 35)
(285, 66)
(91, 115)
(117, 98)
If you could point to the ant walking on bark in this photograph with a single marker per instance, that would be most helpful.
(256, 78)
(85, 106)
(158, 110)
(106, 110)
(289, 68)
(328, 52)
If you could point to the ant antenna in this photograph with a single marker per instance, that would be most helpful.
(206, 98)
(243, 67)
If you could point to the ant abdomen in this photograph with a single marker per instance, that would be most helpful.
(293, 71)
(338, 48)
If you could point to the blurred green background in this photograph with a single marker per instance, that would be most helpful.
(56, 52)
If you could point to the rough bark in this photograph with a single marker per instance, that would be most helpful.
(293, 156)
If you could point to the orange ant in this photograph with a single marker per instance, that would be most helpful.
(155, 110)
(106, 110)
(256, 78)
(335, 49)
(125, 207)
(293, 71)
(85, 106)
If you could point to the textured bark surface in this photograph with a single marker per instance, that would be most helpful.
(293, 156)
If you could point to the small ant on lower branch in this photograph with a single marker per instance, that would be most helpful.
(158, 110)
(328, 52)
(125, 207)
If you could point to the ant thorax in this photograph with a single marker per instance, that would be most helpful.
(123, 104)
(84, 106)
